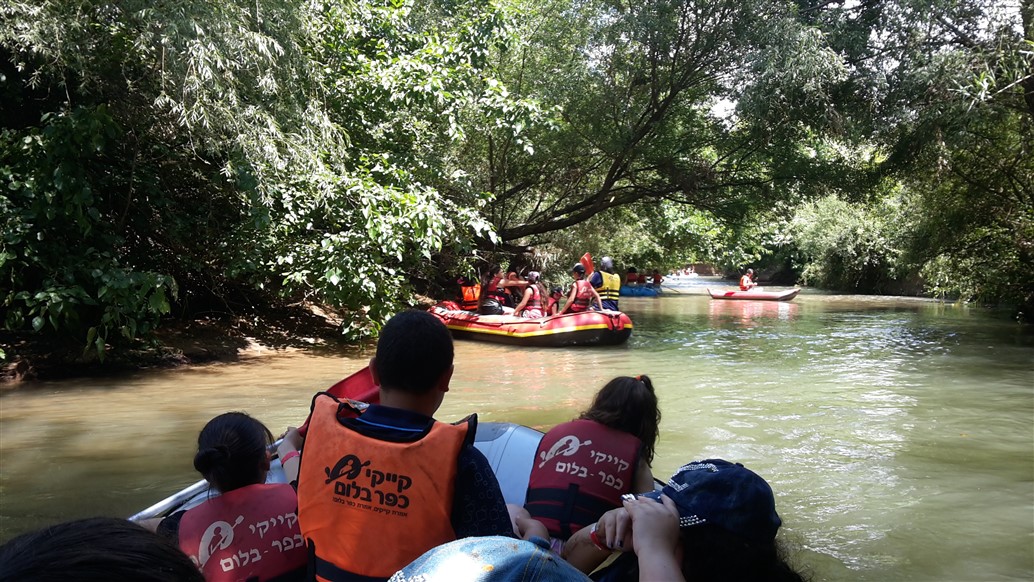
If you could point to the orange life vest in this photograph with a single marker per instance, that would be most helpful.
(581, 470)
(248, 533)
(367, 507)
(745, 283)
(470, 296)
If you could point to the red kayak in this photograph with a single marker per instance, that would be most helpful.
(588, 328)
(755, 295)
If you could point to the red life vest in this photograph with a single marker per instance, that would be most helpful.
(368, 507)
(581, 470)
(247, 533)
(535, 302)
(496, 292)
(582, 296)
(745, 283)
(533, 308)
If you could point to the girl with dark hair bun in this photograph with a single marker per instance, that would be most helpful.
(583, 467)
(244, 516)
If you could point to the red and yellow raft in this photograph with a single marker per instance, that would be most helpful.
(589, 328)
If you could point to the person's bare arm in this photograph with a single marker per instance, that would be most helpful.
(292, 441)
(524, 301)
(599, 301)
(570, 299)
(612, 531)
(643, 481)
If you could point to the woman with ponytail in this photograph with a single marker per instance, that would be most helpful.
(247, 529)
(583, 467)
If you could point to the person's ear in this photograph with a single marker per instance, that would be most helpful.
(373, 371)
(444, 379)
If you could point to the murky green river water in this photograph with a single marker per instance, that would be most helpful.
(898, 434)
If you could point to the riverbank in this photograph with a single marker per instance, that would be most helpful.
(212, 338)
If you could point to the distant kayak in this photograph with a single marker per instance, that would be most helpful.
(754, 295)
(587, 328)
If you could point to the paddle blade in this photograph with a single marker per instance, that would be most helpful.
(359, 386)
(586, 262)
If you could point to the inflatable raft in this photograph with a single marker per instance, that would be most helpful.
(588, 328)
(754, 294)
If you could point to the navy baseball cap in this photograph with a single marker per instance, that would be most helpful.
(724, 494)
(490, 559)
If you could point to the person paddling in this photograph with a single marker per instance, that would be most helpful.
(747, 281)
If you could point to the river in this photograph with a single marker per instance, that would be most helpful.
(898, 434)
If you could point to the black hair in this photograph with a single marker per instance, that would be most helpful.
(486, 280)
(95, 549)
(413, 351)
(231, 451)
(712, 553)
(629, 405)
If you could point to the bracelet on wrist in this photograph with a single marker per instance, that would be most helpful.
(595, 539)
(287, 457)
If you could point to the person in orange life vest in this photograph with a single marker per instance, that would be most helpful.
(378, 490)
(657, 278)
(556, 294)
(232, 456)
(494, 296)
(747, 281)
(531, 304)
(582, 294)
(583, 467)
(469, 293)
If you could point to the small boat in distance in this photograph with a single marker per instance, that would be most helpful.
(587, 328)
(754, 294)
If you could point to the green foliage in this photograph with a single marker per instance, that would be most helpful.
(191, 156)
(55, 254)
(844, 246)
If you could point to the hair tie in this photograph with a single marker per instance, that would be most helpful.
(639, 377)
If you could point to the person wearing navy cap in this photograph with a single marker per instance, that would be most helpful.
(713, 520)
